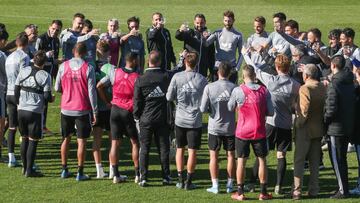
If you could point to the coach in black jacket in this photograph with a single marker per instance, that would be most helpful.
(158, 38)
(50, 43)
(192, 42)
(150, 113)
(339, 119)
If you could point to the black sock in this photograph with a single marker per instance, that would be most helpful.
(137, 171)
(11, 140)
(30, 155)
(240, 189)
(0, 150)
(116, 170)
(189, 178)
(255, 171)
(81, 170)
(64, 167)
(281, 168)
(23, 150)
(263, 187)
(181, 176)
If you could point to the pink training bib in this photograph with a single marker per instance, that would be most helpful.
(123, 89)
(252, 114)
(74, 84)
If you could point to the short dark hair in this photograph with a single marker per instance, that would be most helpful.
(249, 72)
(282, 62)
(293, 24)
(88, 24)
(40, 58)
(22, 39)
(225, 68)
(31, 26)
(4, 35)
(200, 15)
(280, 15)
(348, 32)
(316, 32)
(80, 48)
(229, 14)
(338, 61)
(79, 15)
(157, 13)
(260, 19)
(334, 33)
(155, 57)
(131, 56)
(133, 19)
(57, 22)
(103, 46)
(2, 26)
(191, 58)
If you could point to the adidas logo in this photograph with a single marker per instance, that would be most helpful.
(157, 92)
(188, 87)
(225, 96)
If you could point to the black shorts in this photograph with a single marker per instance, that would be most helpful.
(12, 111)
(103, 120)
(215, 142)
(243, 147)
(122, 123)
(83, 126)
(2, 107)
(278, 137)
(30, 124)
(188, 136)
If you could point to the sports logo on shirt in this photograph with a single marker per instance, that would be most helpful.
(225, 96)
(157, 92)
(188, 87)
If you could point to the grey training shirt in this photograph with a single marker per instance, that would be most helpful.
(30, 101)
(256, 41)
(75, 64)
(227, 43)
(214, 100)
(14, 62)
(284, 91)
(186, 88)
(275, 40)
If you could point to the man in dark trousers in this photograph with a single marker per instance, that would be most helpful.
(50, 43)
(158, 38)
(339, 120)
(150, 114)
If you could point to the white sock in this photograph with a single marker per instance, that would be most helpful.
(12, 157)
(229, 182)
(215, 182)
(98, 167)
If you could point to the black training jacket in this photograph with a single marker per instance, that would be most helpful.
(339, 105)
(150, 104)
(192, 42)
(160, 40)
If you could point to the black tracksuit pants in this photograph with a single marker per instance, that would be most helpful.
(162, 142)
(338, 156)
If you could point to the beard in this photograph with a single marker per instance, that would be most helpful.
(228, 26)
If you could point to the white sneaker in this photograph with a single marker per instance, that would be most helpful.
(118, 179)
(324, 147)
(101, 174)
(213, 189)
(351, 148)
(137, 179)
(355, 191)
